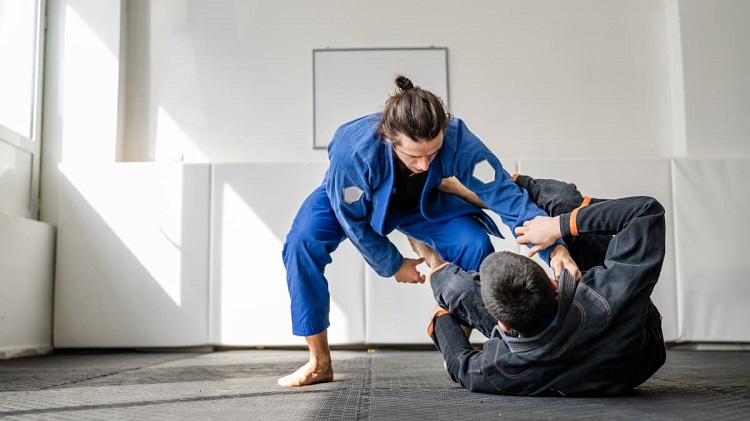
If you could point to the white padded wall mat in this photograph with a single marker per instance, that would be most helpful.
(711, 211)
(27, 260)
(619, 178)
(253, 205)
(132, 255)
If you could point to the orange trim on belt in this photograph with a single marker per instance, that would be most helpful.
(574, 214)
(515, 176)
(431, 327)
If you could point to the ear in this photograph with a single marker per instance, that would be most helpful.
(504, 328)
(553, 283)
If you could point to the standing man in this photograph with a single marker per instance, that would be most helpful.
(382, 176)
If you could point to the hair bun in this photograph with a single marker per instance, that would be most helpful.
(404, 83)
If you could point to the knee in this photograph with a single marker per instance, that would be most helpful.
(470, 248)
(454, 289)
(310, 243)
(302, 244)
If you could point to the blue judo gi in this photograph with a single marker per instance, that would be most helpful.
(353, 200)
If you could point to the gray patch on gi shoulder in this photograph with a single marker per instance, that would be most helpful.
(484, 172)
(352, 194)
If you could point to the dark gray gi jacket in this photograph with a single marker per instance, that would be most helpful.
(607, 336)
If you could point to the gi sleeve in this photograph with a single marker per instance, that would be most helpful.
(445, 331)
(473, 369)
(481, 172)
(348, 184)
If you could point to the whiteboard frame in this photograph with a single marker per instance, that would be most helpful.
(322, 122)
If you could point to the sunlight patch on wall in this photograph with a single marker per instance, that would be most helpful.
(89, 93)
(172, 143)
(144, 211)
(254, 302)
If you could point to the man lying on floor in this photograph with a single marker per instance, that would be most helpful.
(600, 335)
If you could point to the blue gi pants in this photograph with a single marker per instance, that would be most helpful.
(316, 233)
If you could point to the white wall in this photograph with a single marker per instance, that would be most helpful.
(716, 60)
(533, 79)
(81, 90)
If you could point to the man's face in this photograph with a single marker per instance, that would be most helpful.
(417, 156)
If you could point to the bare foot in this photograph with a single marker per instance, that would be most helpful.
(310, 373)
(431, 258)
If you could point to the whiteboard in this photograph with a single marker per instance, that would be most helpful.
(350, 83)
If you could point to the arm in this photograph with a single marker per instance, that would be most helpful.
(446, 331)
(450, 339)
(350, 203)
(477, 371)
(636, 252)
(559, 256)
(481, 172)
(349, 183)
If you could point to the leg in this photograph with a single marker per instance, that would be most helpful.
(314, 235)
(318, 370)
(457, 291)
(461, 241)
(553, 196)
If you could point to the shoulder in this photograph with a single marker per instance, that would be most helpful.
(365, 126)
(455, 126)
(357, 148)
(458, 132)
(358, 136)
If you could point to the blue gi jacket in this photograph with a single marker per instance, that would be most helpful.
(610, 339)
(360, 179)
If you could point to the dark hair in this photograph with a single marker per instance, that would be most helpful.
(517, 292)
(418, 114)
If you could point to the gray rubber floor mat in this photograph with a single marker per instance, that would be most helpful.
(380, 385)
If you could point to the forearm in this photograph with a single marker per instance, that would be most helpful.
(377, 250)
(453, 186)
(382, 255)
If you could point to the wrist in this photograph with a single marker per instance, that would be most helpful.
(559, 250)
